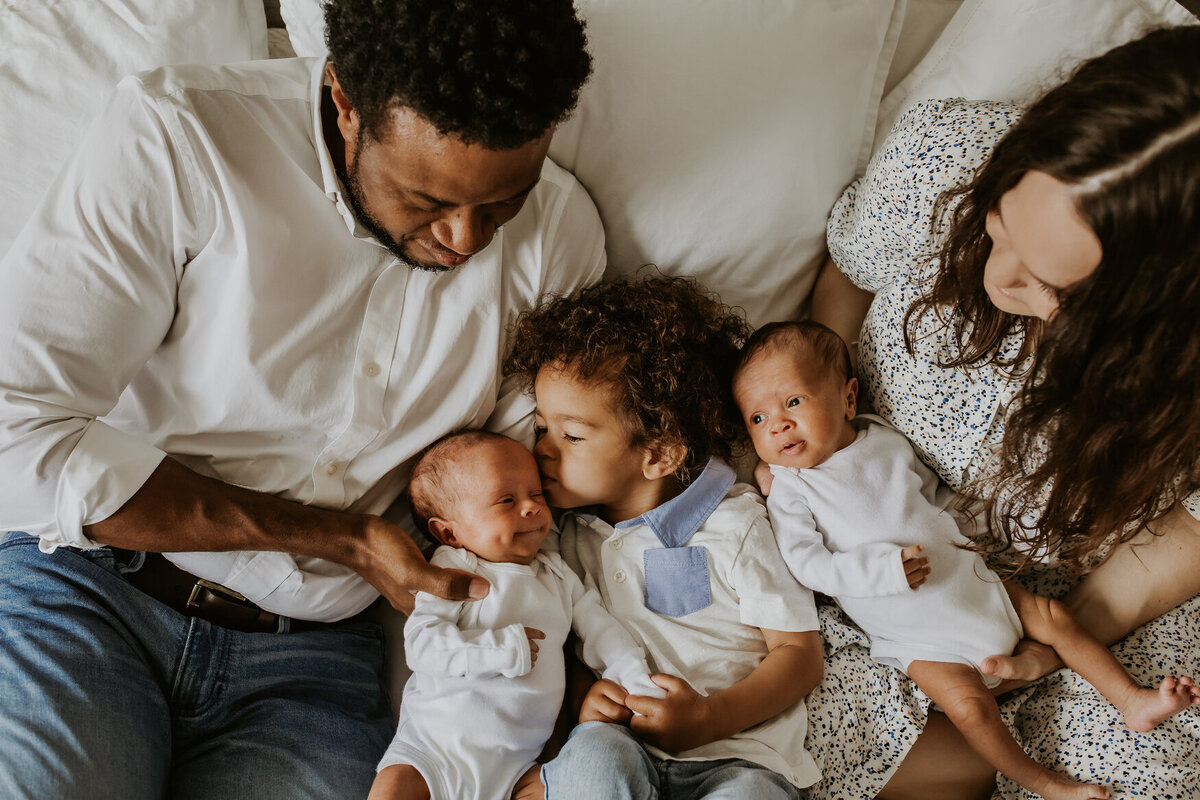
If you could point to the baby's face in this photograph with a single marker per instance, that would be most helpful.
(797, 412)
(584, 450)
(501, 514)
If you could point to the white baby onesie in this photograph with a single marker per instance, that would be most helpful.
(841, 526)
(474, 715)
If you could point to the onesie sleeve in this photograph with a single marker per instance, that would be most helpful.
(882, 226)
(605, 645)
(434, 643)
(869, 570)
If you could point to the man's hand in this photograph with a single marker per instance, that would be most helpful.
(677, 722)
(605, 702)
(391, 562)
(916, 566)
(178, 510)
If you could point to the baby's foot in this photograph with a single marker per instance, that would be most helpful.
(1029, 661)
(1148, 707)
(1060, 787)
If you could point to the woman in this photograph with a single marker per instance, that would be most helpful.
(1022, 290)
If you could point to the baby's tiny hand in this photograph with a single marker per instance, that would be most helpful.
(533, 634)
(764, 478)
(916, 568)
(605, 702)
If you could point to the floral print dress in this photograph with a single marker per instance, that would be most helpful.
(865, 716)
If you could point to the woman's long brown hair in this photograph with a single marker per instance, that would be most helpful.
(1106, 429)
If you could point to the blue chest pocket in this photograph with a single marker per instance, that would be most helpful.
(677, 580)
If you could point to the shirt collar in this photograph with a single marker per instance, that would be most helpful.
(330, 181)
(676, 520)
(329, 178)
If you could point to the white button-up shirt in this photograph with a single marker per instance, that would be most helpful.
(194, 284)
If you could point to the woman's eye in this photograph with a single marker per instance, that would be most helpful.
(539, 431)
(571, 439)
(1047, 289)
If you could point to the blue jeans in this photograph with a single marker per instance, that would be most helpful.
(107, 693)
(602, 761)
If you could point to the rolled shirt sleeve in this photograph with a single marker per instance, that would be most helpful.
(90, 289)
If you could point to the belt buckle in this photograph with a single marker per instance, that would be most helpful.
(202, 584)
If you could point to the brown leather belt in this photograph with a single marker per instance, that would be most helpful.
(196, 597)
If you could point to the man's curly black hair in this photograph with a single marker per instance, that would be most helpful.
(667, 347)
(496, 73)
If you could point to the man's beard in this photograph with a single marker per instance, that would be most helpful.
(353, 187)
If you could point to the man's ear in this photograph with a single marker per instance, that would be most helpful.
(443, 531)
(851, 398)
(347, 119)
(662, 461)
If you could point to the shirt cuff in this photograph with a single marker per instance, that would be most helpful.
(106, 468)
(790, 612)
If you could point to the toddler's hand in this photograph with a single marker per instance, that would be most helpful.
(677, 722)
(533, 634)
(916, 567)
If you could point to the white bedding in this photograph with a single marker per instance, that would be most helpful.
(714, 136)
(59, 62)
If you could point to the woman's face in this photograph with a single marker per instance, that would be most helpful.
(1040, 246)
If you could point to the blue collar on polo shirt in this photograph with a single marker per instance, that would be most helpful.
(676, 575)
(676, 520)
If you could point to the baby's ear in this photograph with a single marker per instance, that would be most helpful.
(662, 460)
(851, 398)
(443, 531)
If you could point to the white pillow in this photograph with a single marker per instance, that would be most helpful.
(1016, 49)
(60, 61)
(305, 23)
(715, 136)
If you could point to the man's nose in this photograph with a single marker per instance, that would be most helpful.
(464, 230)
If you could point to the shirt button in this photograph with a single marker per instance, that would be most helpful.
(617, 544)
(371, 370)
(619, 576)
(331, 469)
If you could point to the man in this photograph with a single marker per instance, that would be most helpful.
(252, 296)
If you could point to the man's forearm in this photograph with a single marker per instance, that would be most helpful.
(178, 510)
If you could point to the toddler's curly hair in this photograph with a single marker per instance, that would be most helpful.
(665, 345)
